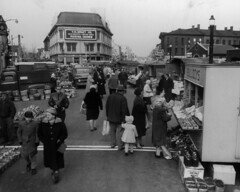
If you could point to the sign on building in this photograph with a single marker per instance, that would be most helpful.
(80, 34)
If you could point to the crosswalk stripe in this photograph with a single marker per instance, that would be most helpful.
(92, 148)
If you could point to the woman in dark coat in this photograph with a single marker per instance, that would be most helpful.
(93, 103)
(100, 81)
(139, 112)
(159, 125)
(52, 133)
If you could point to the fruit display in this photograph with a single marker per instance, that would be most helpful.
(8, 155)
(33, 108)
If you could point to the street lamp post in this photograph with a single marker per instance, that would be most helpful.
(170, 50)
(211, 27)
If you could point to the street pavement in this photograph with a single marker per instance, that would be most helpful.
(91, 165)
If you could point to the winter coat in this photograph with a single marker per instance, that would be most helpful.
(139, 113)
(27, 135)
(159, 125)
(93, 103)
(116, 108)
(130, 133)
(113, 82)
(52, 136)
(7, 108)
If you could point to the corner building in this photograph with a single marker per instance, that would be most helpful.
(79, 37)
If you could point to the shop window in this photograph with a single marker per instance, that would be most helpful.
(61, 34)
(71, 47)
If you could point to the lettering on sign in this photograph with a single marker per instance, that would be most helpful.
(195, 75)
(81, 34)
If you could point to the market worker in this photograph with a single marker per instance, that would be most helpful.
(60, 102)
(28, 139)
(7, 113)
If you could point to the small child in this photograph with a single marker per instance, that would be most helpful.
(129, 134)
(27, 137)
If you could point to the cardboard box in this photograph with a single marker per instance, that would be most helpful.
(226, 173)
(189, 171)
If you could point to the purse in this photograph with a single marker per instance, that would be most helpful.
(83, 108)
(62, 148)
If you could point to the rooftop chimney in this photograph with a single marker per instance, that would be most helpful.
(193, 26)
(198, 26)
(231, 28)
(225, 28)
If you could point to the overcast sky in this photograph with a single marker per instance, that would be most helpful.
(134, 23)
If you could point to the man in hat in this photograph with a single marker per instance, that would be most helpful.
(116, 110)
(7, 113)
(60, 102)
(28, 139)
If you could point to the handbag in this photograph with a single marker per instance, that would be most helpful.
(62, 148)
(106, 127)
(83, 108)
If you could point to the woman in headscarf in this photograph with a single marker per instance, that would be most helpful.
(159, 124)
(52, 133)
(93, 103)
(139, 112)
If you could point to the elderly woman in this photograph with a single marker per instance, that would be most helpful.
(52, 133)
(159, 124)
(93, 103)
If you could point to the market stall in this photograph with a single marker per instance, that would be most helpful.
(210, 111)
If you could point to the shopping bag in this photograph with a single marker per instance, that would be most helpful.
(83, 108)
(62, 148)
(106, 127)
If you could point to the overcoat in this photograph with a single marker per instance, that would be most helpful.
(159, 125)
(52, 136)
(139, 113)
(27, 135)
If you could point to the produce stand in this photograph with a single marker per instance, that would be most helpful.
(214, 90)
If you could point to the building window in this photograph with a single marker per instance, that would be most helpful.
(176, 40)
(61, 34)
(183, 51)
(98, 47)
(234, 42)
(223, 42)
(207, 41)
(229, 42)
(98, 35)
(90, 47)
(167, 40)
(61, 47)
(71, 47)
(182, 41)
(217, 41)
(175, 51)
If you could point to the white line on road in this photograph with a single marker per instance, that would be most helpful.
(93, 148)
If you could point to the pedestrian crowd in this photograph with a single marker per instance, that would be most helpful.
(126, 128)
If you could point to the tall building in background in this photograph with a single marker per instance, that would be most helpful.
(79, 37)
(178, 42)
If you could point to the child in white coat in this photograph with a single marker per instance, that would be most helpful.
(129, 134)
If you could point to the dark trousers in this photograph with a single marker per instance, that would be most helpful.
(7, 127)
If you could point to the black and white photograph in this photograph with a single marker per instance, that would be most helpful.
(119, 96)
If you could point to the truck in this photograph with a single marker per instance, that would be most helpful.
(80, 74)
